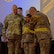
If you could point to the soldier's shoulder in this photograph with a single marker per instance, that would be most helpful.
(43, 16)
(18, 15)
(36, 16)
(41, 13)
(8, 17)
(21, 16)
(22, 19)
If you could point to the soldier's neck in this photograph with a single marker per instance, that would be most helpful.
(14, 13)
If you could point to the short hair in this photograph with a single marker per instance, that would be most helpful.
(28, 15)
(20, 8)
(14, 6)
(33, 8)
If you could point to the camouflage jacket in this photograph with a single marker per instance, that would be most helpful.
(40, 23)
(12, 23)
(27, 33)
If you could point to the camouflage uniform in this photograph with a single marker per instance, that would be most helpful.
(13, 24)
(42, 31)
(28, 39)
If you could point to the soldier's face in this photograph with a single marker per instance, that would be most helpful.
(14, 10)
(32, 11)
(19, 11)
(27, 18)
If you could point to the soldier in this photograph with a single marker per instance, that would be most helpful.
(42, 30)
(1, 26)
(13, 23)
(28, 38)
(20, 12)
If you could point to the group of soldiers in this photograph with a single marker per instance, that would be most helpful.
(26, 32)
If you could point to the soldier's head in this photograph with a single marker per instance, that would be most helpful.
(32, 10)
(28, 17)
(14, 9)
(20, 10)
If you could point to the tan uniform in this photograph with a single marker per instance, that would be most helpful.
(42, 30)
(12, 24)
(28, 39)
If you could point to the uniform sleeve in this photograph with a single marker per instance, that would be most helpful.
(5, 27)
(22, 39)
(1, 27)
(47, 20)
(50, 33)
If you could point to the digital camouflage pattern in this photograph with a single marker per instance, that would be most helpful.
(13, 24)
(42, 31)
(28, 39)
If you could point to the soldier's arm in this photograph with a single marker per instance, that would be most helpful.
(33, 22)
(47, 20)
(48, 24)
(21, 23)
(22, 38)
(49, 29)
